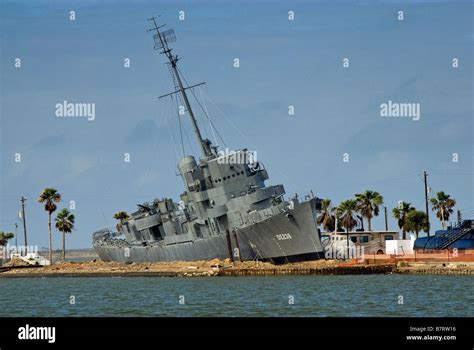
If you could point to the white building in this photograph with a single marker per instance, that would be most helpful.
(400, 246)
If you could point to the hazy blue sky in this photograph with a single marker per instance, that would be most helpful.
(282, 63)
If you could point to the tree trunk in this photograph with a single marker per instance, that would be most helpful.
(347, 241)
(64, 246)
(50, 240)
(368, 221)
(404, 231)
(442, 218)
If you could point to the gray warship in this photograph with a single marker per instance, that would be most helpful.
(226, 210)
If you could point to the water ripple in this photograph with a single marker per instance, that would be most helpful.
(375, 295)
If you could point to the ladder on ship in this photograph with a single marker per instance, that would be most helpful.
(454, 234)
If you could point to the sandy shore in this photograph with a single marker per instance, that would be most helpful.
(175, 268)
(97, 268)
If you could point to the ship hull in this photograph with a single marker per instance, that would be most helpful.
(201, 249)
(285, 238)
(279, 239)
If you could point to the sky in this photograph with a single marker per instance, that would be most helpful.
(282, 63)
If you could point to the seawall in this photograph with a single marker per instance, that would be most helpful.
(226, 268)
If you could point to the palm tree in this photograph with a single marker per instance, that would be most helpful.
(4, 237)
(443, 205)
(346, 211)
(400, 213)
(368, 205)
(49, 197)
(417, 221)
(326, 218)
(64, 223)
(122, 216)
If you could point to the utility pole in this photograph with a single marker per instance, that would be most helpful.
(16, 235)
(22, 200)
(425, 180)
(459, 217)
(386, 222)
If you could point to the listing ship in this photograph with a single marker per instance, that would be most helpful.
(226, 210)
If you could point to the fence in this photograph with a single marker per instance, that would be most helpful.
(445, 255)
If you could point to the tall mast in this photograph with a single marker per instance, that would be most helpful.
(162, 39)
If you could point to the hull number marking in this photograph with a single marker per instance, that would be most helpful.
(283, 236)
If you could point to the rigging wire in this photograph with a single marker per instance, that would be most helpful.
(180, 126)
(212, 126)
(287, 178)
(207, 114)
(210, 121)
(467, 213)
(204, 110)
(170, 124)
(201, 115)
(184, 131)
(179, 102)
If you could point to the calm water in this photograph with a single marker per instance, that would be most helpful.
(374, 295)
